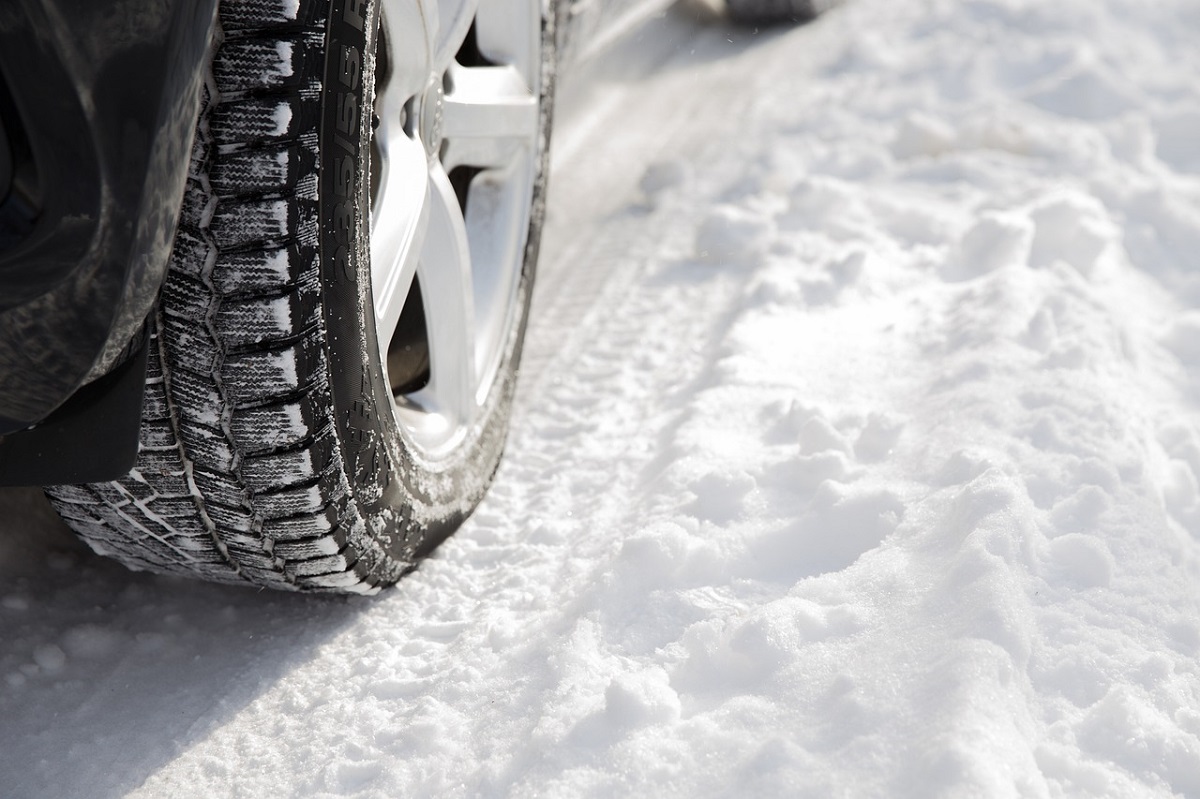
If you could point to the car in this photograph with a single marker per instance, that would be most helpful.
(265, 272)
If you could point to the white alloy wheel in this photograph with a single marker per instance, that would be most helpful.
(455, 145)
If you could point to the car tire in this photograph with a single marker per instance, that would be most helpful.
(345, 189)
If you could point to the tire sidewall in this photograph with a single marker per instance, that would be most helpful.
(408, 503)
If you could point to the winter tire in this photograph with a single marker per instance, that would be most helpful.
(333, 356)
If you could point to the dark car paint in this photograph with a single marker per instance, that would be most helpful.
(106, 93)
(100, 98)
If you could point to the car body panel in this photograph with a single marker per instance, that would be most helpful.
(99, 104)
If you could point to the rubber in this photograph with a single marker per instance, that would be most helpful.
(268, 453)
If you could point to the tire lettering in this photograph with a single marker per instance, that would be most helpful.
(361, 408)
(359, 425)
(343, 220)
(347, 113)
(353, 14)
(343, 182)
(341, 262)
(351, 65)
(344, 79)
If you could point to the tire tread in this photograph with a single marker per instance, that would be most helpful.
(238, 477)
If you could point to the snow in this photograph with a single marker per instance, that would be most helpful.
(856, 453)
(285, 65)
(282, 115)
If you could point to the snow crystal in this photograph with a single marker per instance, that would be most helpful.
(50, 657)
(14, 602)
(922, 135)
(1177, 134)
(282, 118)
(1085, 92)
(731, 235)
(284, 50)
(663, 175)
(1073, 228)
(1082, 559)
(996, 240)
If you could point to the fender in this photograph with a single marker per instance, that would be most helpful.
(98, 102)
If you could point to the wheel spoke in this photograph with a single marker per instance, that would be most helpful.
(411, 32)
(497, 226)
(490, 116)
(446, 286)
(399, 220)
(454, 20)
(510, 34)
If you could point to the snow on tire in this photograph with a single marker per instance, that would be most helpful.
(276, 449)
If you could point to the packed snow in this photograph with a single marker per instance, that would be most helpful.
(857, 454)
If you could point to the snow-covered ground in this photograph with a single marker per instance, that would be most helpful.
(857, 455)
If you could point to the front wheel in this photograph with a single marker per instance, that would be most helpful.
(334, 353)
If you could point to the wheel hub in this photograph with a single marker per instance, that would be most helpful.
(431, 116)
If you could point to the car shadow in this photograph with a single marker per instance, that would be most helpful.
(107, 675)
